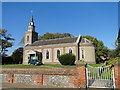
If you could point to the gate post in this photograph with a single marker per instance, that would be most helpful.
(86, 75)
(117, 75)
(81, 70)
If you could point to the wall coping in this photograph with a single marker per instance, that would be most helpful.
(56, 71)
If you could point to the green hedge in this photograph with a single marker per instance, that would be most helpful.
(67, 59)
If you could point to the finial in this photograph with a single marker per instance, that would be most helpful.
(31, 12)
(31, 19)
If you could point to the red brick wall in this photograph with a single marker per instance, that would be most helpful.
(117, 76)
(77, 76)
(10, 78)
(38, 79)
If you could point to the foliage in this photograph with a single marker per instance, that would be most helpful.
(7, 60)
(100, 49)
(117, 51)
(115, 54)
(17, 56)
(54, 35)
(113, 61)
(5, 41)
(67, 59)
(95, 65)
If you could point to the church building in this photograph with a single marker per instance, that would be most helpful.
(48, 51)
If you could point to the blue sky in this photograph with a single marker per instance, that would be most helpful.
(98, 19)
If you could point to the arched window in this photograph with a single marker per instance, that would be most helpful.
(58, 53)
(70, 51)
(47, 54)
(83, 54)
(27, 38)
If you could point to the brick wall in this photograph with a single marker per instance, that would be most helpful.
(51, 77)
(117, 76)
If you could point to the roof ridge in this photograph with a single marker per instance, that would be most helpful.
(56, 39)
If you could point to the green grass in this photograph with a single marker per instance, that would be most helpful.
(22, 66)
(61, 66)
(44, 66)
(95, 65)
(41, 66)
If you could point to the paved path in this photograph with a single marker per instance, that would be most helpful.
(100, 83)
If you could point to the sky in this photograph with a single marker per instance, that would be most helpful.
(97, 19)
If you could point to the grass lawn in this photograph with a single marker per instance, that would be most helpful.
(47, 66)
(95, 65)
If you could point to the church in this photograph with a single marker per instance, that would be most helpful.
(48, 51)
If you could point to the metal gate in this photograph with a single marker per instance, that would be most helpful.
(100, 77)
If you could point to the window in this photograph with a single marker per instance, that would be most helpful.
(58, 53)
(27, 38)
(83, 54)
(70, 51)
(47, 54)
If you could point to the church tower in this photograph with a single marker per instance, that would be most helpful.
(30, 36)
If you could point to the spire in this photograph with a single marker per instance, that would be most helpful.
(31, 21)
(31, 26)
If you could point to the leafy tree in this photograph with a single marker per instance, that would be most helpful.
(54, 35)
(115, 54)
(100, 49)
(17, 56)
(5, 41)
(117, 50)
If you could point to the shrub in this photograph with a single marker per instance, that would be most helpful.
(7, 60)
(113, 61)
(67, 59)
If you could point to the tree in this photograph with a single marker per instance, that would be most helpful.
(116, 52)
(100, 49)
(5, 41)
(54, 35)
(17, 56)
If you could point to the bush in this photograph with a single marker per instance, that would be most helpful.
(7, 60)
(113, 61)
(67, 59)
